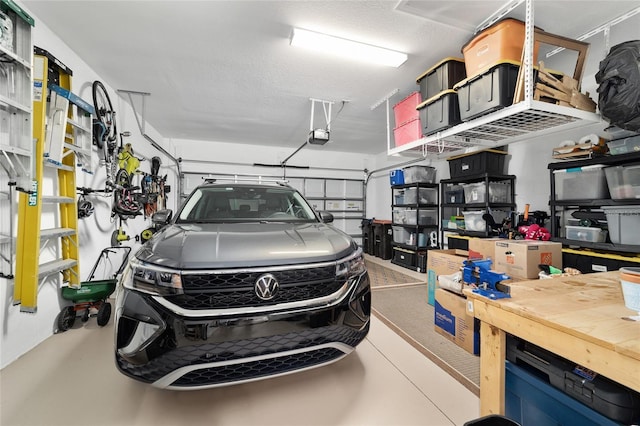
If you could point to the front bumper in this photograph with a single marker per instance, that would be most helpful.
(157, 345)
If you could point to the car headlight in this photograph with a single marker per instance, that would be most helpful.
(152, 279)
(352, 266)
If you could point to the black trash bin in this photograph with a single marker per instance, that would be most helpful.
(383, 235)
(367, 236)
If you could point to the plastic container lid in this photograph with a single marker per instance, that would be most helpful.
(433, 68)
(436, 97)
(626, 210)
(630, 270)
(580, 169)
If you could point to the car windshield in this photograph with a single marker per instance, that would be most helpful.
(234, 203)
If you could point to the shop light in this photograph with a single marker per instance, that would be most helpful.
(346, 48)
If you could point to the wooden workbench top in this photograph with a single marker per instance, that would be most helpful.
(589, 307)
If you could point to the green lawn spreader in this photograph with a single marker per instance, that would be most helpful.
(92, 294)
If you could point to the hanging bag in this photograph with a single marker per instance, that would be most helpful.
(618, 81)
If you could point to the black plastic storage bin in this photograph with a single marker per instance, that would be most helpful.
(383, 236)
(442, 76)
(421, 261)
(587, 263)
(404, 257)
(577, 395)
(487, 161)
(367, 236)
(439, 112)
(453, 194)
(457, 242)
(487, 92)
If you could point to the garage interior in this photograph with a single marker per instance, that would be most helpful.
(217, 90)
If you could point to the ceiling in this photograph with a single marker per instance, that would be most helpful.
(224, 70)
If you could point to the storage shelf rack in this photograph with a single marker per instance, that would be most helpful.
(16, 142)
(487, 204)
(557, 206)
(519, 122)
(417, 206)
(412, 251)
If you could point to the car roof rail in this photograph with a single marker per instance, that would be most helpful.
(236, 179)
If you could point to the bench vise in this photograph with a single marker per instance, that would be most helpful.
(487, 282)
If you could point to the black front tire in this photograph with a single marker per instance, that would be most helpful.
(104, 110)
(104, 314)
(66, 318)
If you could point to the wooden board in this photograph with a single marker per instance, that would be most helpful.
(589, 306)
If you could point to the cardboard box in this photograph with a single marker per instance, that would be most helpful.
(442, 262)
(453, 322)
(520, 258)
(483, 248)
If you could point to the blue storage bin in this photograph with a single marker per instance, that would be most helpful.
(397, 177)
(533, 402)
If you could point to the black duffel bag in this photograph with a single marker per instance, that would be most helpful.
(619, 85)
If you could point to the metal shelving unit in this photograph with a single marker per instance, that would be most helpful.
(16, 141)
(406, 253)
(519, 122)
(559, 206)
(486, 204)
(16, 88)
(516, 123)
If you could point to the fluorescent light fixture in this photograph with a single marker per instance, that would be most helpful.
(346, 48)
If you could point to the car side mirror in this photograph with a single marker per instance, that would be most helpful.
(326, 217)
(162, 218)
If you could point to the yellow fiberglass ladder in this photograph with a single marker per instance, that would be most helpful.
(62, 131)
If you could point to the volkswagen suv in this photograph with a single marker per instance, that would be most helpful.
(246, 282)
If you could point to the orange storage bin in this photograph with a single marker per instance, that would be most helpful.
(503, 41)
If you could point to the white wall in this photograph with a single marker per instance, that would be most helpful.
(20, 332)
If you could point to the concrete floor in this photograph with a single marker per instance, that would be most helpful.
(71, 379)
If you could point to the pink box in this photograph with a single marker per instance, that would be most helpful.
(408, 132)
(405, 110)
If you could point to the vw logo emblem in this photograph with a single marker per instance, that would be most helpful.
(266, 287)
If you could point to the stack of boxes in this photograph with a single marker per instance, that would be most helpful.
(517, 258)
(440, 109)
(457, 90)
(408, 127)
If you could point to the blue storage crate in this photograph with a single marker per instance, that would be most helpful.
(397, 177)
(533, 402)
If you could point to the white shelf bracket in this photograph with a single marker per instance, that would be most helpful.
(528, 51)
(385, 100)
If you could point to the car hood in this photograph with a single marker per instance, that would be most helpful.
(239, 245)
